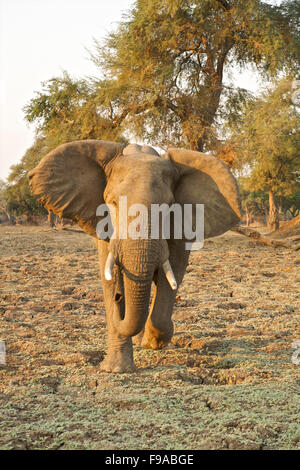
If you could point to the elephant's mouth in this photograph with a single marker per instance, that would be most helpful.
(166, 266)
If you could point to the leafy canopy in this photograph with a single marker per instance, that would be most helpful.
(19, 199)
(162, 80)
(68, 109)
(267, 139)
(164, 66)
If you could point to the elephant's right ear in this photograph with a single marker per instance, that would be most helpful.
(71, 179)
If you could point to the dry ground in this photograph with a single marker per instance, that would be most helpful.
(225, 382)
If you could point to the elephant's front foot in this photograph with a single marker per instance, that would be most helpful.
(155, 338)
(119, 358)
(117, 363)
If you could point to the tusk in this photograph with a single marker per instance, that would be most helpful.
(169, 274)
(109, 267)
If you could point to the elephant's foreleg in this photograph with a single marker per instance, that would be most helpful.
(159, 327)
(137, 339)
(119, 356)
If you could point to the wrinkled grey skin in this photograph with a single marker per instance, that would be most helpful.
(75, 178)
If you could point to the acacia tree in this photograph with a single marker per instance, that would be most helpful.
(164, 66)
(267, 139)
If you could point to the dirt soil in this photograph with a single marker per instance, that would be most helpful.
(225, 382)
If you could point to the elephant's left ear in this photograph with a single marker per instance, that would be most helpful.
(204, 179)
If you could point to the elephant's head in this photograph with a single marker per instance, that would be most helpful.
(76, 178)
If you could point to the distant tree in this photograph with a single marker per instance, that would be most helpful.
(267, 139)
(290, 204)
(18, 196)
(254, 203)
(3, 201)
(164, 66)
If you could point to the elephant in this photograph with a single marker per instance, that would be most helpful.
(76, 178)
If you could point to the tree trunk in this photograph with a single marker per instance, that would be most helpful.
(11, 217)
(200, 145)
(266, 213)
(273, 221)
(248, 216)
(51, 219)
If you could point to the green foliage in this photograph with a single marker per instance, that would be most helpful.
(290, 204)
(21, 201)
(17, 193)
(253, 201)
(164, 65)
(266, 136)
(162, 81)
(67, 110)
(267, 139)
(2, 194)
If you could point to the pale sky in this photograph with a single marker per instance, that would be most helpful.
(38, 40)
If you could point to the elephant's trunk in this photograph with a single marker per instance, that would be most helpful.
(137, 260)
(130, 314)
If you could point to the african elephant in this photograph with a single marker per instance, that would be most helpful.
(76, 178)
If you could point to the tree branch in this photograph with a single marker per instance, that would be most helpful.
(256, 236)
(278, 170)
(222, 57)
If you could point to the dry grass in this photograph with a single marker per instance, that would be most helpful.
(225, 382)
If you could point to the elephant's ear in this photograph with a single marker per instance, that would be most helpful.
(71, 179)
(204, 179)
